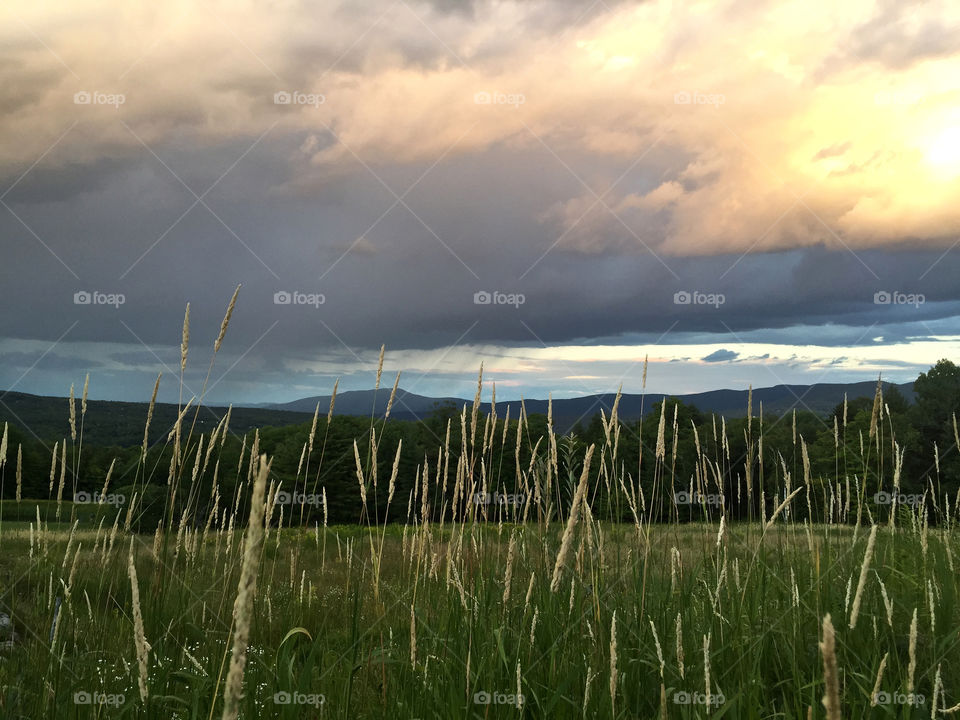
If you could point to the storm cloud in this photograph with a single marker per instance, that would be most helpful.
(508, 179)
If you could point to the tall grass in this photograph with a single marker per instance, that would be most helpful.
(821, 604)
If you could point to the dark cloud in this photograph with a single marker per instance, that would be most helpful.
(720, 356)
(51, 184)
(895, 37)
(158, 357)
(832, 151)
(23, 85)
(40, 360)
(338, 256)
(410, 282)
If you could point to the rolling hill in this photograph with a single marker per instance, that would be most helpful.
(121, 423)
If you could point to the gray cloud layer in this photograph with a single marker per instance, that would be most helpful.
(597, 210)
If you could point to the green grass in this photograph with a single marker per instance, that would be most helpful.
(340, 640)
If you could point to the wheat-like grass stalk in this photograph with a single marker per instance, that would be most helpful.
(706, 666)
(656, 642)
(571, 521)
(73, 572)
(383, 349)
(19, 471)
(912, 652)
(73, 415)
(519, 686)
(333, 400)
(140, 640)
(146, 428)
(129, 517)
(105, 551)
(508, 575)
(956, 433)
(875, 412)
(413, 637)
(526, 600)
(780, 509)
(106, 482)
(53, 466)
(831, 679)
(586, 690)
(393, 395)
(613, 663)
(679, 636)
(66, 552)
(937, 691)
(392, 485)
(360, 480)
(661, 446)
(246, 593)
(864, 569)
(876, 684)
(185, 339)
(887, 602)
(63, 475)
(226, 321)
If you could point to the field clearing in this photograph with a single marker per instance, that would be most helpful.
(640, 625)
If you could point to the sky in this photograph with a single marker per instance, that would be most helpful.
(739, 193)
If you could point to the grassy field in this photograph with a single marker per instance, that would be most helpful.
(765, 596)
(433, 622)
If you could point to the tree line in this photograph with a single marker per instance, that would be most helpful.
(864, 440)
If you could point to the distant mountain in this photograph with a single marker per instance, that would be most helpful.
(361, 402)
(820, 398)
(121, 423)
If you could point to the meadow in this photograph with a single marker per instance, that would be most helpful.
(572, 587)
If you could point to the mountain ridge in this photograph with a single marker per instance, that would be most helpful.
(121, 422)
(820, 398)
